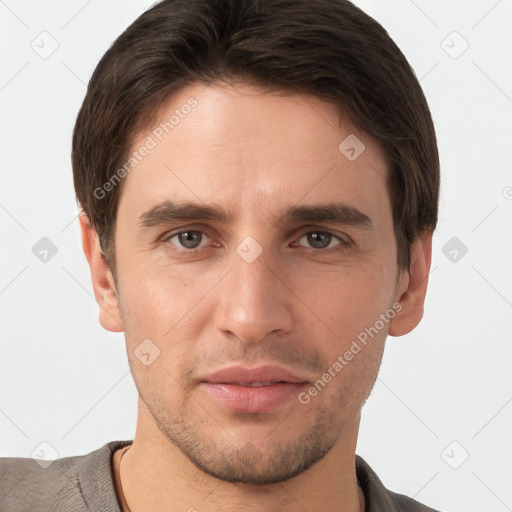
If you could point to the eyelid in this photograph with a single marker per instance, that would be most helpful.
(342, 242)
(171, 234)
(343, 238)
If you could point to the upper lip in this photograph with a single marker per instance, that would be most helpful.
(245, 375)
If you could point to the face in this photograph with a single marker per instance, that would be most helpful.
(300, 272)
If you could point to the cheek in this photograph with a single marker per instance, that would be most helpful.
(162, 305)
(155, 315)
(355, 311)
(349, 300)
(156, 295)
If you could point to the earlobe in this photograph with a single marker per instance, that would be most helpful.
(102, 279)
(412, 288)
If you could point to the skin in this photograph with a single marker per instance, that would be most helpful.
(297, 305)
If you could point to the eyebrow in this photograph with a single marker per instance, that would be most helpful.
(171, 211)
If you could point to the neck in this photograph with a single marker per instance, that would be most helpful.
(155, 475)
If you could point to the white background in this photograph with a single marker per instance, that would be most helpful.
(66, 381)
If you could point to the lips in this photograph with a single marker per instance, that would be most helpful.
(253, 390)
(258, 384)
(256, 376)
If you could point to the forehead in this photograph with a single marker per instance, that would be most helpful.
(254, 150)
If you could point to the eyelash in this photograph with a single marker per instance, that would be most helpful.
(340, 246)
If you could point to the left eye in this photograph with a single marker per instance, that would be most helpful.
(321, 239)
(189, 239)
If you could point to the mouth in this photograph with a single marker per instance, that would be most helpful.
(256, 384)
(253, 397)
(253, 390)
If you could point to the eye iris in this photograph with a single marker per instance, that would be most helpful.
(321, 240)
(190, 239)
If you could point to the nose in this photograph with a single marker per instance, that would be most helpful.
(256, 299)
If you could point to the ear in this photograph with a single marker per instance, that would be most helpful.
(412, 287)
(102, 279)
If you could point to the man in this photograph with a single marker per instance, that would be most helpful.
(259, 188)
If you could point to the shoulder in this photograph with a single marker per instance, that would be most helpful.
(408, 504)
(27, 485)
(380, 499)
(70, 483)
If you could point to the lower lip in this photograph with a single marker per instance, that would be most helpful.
(253, 399)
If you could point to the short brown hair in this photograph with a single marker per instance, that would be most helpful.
(328, 48)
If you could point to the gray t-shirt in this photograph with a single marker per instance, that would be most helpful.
(85, 483)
